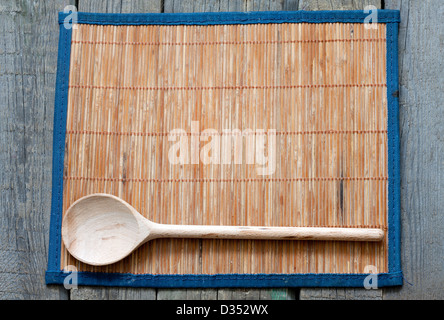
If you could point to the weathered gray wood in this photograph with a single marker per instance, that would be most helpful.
(227, 294)
(238, 294)
(259, 5)
(279, 294)
(340, 294)
(120, 6)
(290, 5)
(257, 294)
(421, 46)
(28, 59)
(337, 4)
(187, 294)
(111, 293)
(229, 5)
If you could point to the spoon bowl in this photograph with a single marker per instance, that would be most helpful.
(101, 229)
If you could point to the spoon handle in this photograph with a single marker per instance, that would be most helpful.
(266, 233)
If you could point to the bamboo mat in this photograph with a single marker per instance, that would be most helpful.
(314, 93)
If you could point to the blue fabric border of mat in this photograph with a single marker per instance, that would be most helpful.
(394, 276)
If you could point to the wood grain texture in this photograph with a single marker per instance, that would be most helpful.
(421, 43)
(227, 294)
(337, 4)
(229, 5)
(187, 294)
(340, 294)
(120, 6)
(110, 293)
(28, 59)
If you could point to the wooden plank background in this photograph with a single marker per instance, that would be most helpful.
(28, 56)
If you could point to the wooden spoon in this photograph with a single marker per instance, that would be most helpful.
(101, 229)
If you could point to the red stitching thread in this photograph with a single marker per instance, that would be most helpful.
(73, 86)
(278, 133)
(204, 43)
(227, 180)
(349, 226)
